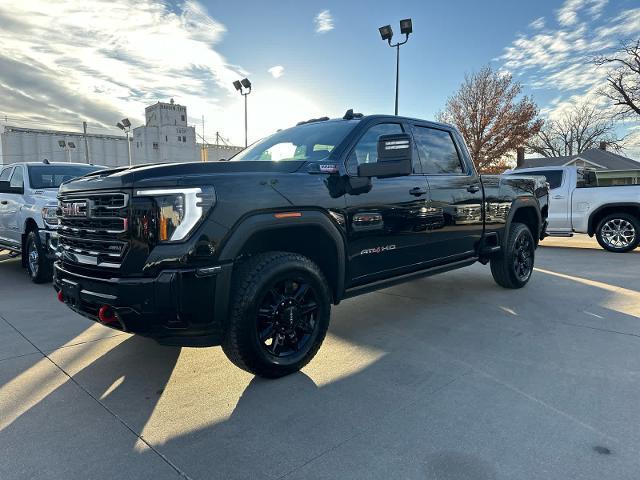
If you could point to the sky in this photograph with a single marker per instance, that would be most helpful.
(101, 60)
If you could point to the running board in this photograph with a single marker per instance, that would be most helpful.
(560, 234)
(407, 277)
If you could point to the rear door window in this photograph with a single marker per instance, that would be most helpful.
(438, 152)
(554, 177)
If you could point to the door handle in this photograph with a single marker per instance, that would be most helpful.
(4, 202)
(473, 189)
(558, 197)
(417, 191)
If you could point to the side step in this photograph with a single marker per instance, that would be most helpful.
(490, 244)
(560, 234)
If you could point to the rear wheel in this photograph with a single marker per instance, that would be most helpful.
(618, 232)
(513, 265)
(38, 265)
(280, 314)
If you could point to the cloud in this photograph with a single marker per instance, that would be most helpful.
(324, 21)
(568, 14)
(101, 60)
(558, 58)
(537, 24)
(277, 71)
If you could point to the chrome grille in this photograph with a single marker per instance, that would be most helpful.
(93, 229)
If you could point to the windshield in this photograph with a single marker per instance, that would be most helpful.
(310, 142)
(52, 176)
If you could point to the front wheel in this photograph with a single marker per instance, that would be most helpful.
(618, 232)
(38, 265)
(513, 265)
(279, 315)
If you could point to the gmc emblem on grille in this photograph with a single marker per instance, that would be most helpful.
(75, 209)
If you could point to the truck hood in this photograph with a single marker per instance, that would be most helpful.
(46, 196)
(173, 174)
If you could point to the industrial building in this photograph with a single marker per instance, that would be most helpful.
(165, 137)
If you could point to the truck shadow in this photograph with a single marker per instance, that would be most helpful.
(214, 421)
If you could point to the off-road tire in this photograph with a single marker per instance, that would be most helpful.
(253, 277)
(42, 271)
(623, 217)
(503, 266)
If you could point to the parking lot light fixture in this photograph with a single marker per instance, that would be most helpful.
(67, 146)
(406, 26)
(386, 33)
(125, 126)
(244, 87)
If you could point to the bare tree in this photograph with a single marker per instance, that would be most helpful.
(623, 79)
(580, 128)
(491, 120)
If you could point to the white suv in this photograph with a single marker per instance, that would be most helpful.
(28, 208)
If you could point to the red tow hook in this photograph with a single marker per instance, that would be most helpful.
(60, 296)
(106, 315)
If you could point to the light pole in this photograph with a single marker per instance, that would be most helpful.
(387, 34)
(125, 126)
(67, 146)
(244, 87)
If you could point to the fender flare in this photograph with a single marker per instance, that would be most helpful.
(518, 204)
(591, 228)
(266, 221)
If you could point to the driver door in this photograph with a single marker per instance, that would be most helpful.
(15, 203)
(386, 227)
(5, 175)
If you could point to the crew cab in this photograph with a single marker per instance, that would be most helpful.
(601, 203)
(28, 211)
(252, 253)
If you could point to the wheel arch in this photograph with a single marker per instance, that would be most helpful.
(312, 234)
(598, 214)
(30, 225)
(525, 211)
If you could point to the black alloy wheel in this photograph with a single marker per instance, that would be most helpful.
(280, 310)
(512, 266)
(523, 256)
(287, 317)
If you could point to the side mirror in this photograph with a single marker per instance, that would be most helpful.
(4, 187)
(394, 157)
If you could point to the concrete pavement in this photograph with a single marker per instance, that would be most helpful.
(449, 377)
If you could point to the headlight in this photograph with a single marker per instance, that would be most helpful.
(179, 210)
(50, 216)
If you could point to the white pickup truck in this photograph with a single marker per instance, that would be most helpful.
(28, 206)
(601, 203)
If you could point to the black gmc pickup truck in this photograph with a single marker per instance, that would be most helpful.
(251, 253)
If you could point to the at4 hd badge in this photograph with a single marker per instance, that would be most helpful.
(382, 249)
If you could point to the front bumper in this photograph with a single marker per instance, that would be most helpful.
(177, 307)
(543, 230)
(49, 241)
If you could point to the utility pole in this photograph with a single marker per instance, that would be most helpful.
(86, 143)
(204, 143)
